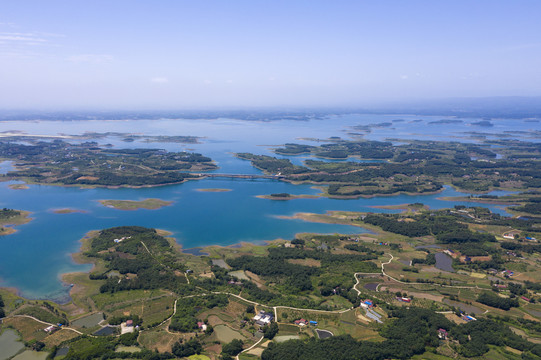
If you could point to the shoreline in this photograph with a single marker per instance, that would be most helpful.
(9, 224)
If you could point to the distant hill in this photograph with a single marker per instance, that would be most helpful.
(518, 107)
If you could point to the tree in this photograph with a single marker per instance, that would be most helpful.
(232, 348)
(269, 331)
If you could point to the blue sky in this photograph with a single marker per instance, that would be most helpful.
(174, 54)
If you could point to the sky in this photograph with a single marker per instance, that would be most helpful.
(177, 54)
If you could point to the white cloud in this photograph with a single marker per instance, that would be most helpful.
(229, 81)
(21, 37)
(404, 77)
(159, 80)
(91, 58)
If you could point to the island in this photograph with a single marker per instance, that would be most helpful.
(413, 167)
(148, 204)
(286, 196)
(67, 211)
(10, 217)
(88, 164)
(213, 190)
(18, 186)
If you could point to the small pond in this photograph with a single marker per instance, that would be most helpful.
(444, 262)
(10, 344)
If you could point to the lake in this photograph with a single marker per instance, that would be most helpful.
(34, 258)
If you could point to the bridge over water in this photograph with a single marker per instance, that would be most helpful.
(240, 176)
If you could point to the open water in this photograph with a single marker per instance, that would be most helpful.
(34, 258)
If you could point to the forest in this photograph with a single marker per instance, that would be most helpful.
(138, 251)
(60, 162)
(409, 332)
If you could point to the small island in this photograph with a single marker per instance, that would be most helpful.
(286, 196)
(148, 204)
(67, 211)
(18, 186)
(12, 217)
(214, 190)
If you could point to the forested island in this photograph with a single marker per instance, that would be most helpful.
(416, 167)
(88, 164)
(12, 217)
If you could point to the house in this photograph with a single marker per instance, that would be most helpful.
(508, 273)
(129, 323)
(468, 318)
(312, 322)
(525, 299)
(529, 238)
(405, 299)
(202, 326)
(511, 234)
(367, 304)
(263, 318)
(443, 334)
(450, 252)
(301, 322)
(50, 329)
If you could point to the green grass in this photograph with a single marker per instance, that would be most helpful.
(41, 313)
(225, 334)
(104, 300)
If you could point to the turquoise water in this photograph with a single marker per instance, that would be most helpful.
(34, 258)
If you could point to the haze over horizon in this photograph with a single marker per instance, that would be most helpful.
(180, 54)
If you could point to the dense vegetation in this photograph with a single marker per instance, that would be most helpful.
(59, 162)
(492, 299)
(410, 332)
(446, 227)
(297, 277)
(8, 213)
(185, 320)
(143, 258)
(413, 167)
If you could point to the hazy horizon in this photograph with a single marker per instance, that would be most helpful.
(243, 55)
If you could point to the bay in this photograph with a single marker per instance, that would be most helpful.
(34, 258)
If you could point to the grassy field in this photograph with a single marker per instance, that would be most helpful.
(40, 312)
(152, 311)
(158, 339)
(225, 334)
(28, 328)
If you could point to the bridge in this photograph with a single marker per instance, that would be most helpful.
(240, 176)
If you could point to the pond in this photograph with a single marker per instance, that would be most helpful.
(323, 334)
(10, 344)
(444, 262)
(88, 321)
(470, 309)
(371, 286)
(31, 355)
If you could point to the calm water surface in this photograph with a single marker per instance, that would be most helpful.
(34, 258)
